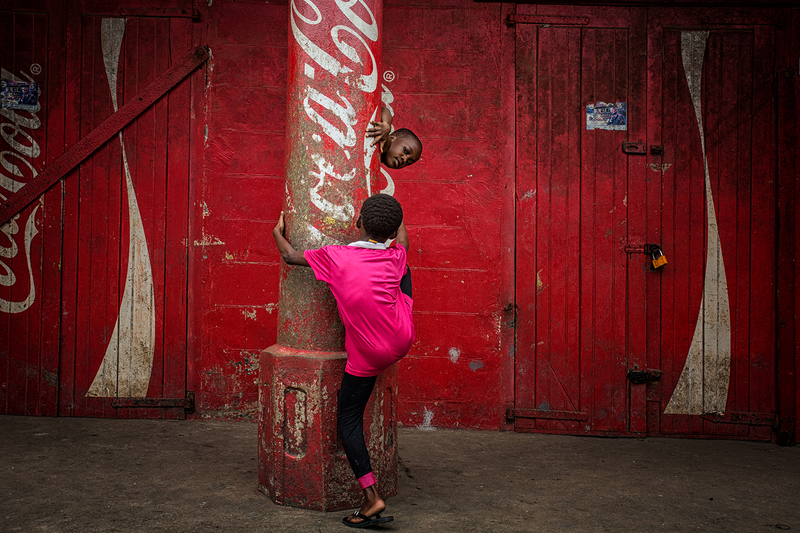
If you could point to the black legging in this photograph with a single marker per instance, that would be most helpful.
(405, 283)
(353, 398)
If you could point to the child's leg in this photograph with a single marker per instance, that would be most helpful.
(353, 398)
(405, 283)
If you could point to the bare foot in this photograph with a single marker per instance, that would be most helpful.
(373, 504)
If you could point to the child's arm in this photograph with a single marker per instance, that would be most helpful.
(381, 130)
(402, 236)
(288, 253)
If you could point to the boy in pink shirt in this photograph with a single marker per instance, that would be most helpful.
(372, 287)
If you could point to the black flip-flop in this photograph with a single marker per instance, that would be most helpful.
(366, 521)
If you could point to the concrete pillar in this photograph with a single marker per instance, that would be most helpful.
(333, 93)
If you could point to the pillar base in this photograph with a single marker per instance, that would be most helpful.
(301, 462)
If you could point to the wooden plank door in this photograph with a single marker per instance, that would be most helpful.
(31, 51)
(573, 216)
(124, 306)
(713, 315)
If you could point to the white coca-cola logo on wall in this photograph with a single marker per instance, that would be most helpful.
(19, 151)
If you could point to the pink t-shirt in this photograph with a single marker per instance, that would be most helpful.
(378, 327)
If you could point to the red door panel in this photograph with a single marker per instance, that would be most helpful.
(126, 245)
(30, 138)
(713, 330)
(93, 275)
(572, 220)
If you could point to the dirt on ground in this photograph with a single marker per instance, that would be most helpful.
(90, 475)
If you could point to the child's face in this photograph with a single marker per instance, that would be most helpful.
(401, 154)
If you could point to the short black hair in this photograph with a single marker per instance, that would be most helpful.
(381, 215)
(405, 133)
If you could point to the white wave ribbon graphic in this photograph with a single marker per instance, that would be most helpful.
(128, 362)
(703, 385)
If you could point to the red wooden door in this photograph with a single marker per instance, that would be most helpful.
(712, 312)
(126, 224)
(93, 275)
(573, 216)
(31, 51)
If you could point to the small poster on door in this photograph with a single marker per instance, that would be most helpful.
(607, 116)
(19, 95)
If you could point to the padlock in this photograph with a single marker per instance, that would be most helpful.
(658, 257)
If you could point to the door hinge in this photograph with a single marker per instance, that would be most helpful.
(139, 12)
(186, 403)
(512, 413)
(745, 419)
(546, 20)
(639, 377)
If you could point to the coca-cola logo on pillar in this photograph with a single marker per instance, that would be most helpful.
(18, 151)
(331, 81)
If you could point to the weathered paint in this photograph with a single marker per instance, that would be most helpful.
(128, 363)
(721, 182)
(301, 459)
(332, 94)
(30, 254)
(703, 385)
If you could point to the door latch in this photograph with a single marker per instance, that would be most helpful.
(657, 257)
(630, 147)
(640, 377)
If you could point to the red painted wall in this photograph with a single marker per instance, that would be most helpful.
(445, 86)
(240, 197)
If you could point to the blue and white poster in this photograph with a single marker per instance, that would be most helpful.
(19, 95)
(607, 116)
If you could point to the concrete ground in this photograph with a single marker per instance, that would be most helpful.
(88, 475)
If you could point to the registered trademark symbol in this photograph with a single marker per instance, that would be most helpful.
(36, 69)
(388, 76)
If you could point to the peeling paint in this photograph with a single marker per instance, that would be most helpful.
(705, 378)
(128, 362)
(208, 240)
(475, 366)
(427, 418)
(454, 354)
(655, 167)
